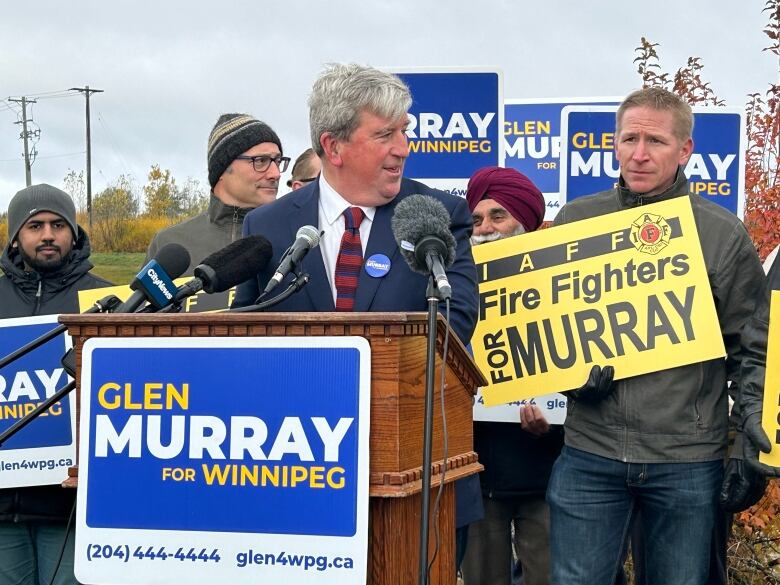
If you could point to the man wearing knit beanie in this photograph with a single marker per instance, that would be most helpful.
(518, 458)
(45, 265)
(244, 157)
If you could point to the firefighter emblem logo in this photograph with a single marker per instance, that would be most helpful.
(650, 233)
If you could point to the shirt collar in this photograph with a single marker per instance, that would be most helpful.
(333, 204)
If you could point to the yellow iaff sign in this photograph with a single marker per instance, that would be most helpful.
(771, 415)
(628, 289)
(199, 303)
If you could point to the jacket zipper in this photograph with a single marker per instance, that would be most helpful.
(38, 296)
(235, 224)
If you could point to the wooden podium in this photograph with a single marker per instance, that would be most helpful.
(398, 352)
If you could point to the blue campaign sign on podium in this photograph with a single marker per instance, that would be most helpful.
(716, 169)
(455, 125)
(224, 445)
(41, 452)
(532, 141)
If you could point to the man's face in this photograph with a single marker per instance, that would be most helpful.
(371, 162)
(44, 242)
(493, 222)
(648, 150)
(241, 185)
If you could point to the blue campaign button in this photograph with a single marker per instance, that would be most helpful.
(378, 265)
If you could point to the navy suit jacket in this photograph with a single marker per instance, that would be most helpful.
(399, 290)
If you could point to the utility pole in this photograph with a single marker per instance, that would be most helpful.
(87, 91)
(25, 135)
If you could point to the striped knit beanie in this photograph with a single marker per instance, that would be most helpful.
(233, 135)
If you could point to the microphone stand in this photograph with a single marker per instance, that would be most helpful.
(300, 281)
(430, 371)
(105, 304)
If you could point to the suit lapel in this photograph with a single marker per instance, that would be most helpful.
(318, 287)
(381, 241)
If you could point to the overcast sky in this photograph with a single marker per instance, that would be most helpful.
(169, 68)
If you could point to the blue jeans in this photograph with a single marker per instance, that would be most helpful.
(592, 500)
(29, 553)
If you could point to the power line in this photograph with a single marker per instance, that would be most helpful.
(63, 155)
(48, 94)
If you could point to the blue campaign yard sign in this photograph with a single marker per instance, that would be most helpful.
(532, 137)
(532, 141)
(264, 434)
(29, 381)
(456, 121)
(716, 168)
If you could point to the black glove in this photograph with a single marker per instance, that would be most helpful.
(755, 440)
(742, 486)
(598, 387)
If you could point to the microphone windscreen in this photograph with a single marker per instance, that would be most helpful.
(416, 217)
(237, 262)
(174, 259)
(310, 233)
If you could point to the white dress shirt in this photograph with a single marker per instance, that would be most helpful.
(331, 222)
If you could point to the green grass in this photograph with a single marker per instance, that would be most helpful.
(117, 267)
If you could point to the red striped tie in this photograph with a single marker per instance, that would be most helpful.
(349, 261)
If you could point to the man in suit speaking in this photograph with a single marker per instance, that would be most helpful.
(358, 119)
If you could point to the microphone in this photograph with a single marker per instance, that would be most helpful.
(154, 283)
(225, 268)
(307, 238)
(421, 226)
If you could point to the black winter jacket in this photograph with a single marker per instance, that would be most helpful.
(24, 294)
(516, 462)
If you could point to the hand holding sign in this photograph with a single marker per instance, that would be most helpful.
(599, 386)
(755, 441)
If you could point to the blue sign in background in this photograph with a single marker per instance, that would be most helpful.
(536, 154)
(447, 93)
(268, 383)
(45, 431)
(714, 135)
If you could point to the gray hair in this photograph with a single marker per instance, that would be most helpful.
(661, 100)
(342, 92)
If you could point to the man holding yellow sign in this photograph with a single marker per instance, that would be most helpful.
(653, 442)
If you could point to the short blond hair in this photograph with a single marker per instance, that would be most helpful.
(661, 100)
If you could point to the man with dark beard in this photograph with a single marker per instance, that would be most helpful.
(46, 263)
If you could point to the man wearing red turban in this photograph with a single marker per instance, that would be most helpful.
(518, 459)
(503, 203)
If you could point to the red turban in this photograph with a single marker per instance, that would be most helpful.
(512, 190)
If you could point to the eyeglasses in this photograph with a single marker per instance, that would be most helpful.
(263, 161)
(304, 181)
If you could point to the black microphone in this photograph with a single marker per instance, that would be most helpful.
(421, 226)
(225, 268)
(308, 237)
(154, 282)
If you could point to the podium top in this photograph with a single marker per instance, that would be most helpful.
(368, 325)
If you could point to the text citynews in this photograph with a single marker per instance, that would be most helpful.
(35, 464)
(123, 553)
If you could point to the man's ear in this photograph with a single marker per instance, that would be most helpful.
(332, 149)
(15, 244)
(686, 150)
